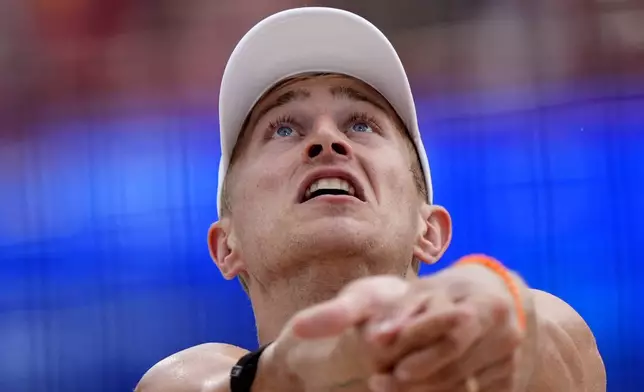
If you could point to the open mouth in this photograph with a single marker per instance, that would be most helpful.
(330, 186)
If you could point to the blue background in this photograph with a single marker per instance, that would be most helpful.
(104, 268)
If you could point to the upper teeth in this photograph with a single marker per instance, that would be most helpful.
(330, 183)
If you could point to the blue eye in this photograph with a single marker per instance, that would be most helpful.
(284, 131)
(361, 127)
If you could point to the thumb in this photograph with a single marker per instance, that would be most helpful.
(359, 301)
(331, 318)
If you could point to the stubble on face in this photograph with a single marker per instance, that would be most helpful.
(293, 244)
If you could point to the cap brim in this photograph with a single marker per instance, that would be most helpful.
(311, 39)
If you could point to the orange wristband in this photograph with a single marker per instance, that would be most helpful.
(504, 274)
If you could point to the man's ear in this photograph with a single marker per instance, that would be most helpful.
(434, 233)
(224, 250)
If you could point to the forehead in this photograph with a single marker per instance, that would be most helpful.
(305, 87)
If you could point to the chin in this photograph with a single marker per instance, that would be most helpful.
(345, 235)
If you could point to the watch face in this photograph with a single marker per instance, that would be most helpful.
(243, 373)
(236, 371)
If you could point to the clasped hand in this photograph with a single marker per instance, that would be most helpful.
(453, 331)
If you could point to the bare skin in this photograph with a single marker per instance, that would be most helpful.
(340, 241)
(571, 350)
(341, 270)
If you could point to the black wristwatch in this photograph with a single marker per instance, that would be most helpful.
(243, 373)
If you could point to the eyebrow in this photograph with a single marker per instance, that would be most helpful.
(338, 92)
(354, 95)
(289, 96)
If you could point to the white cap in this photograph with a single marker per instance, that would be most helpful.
(311, 39)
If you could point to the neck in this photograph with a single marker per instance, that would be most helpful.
(275, 304)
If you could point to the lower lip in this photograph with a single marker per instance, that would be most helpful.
(338, 199)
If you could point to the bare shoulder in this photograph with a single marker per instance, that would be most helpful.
(557, 310)
(573, 340)
(557, 306)
(200, 368)
(560, 314)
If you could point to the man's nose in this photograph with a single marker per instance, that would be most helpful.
(327, 142)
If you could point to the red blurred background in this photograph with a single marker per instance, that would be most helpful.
(64, 56)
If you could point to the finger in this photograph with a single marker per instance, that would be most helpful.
(496, 376)
(501, 385)
(353, 306)
(419, 316)
(426, 332)
(430, 326)
(382, 328)
(329, 318)
(382, 382)
(422, 365)
(498, 372)
(439, 340)
(386, 383)
(496, 344)
(500, 343)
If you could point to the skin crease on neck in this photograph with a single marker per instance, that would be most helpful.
(292, 254)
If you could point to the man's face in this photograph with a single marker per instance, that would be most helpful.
(323, 173)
